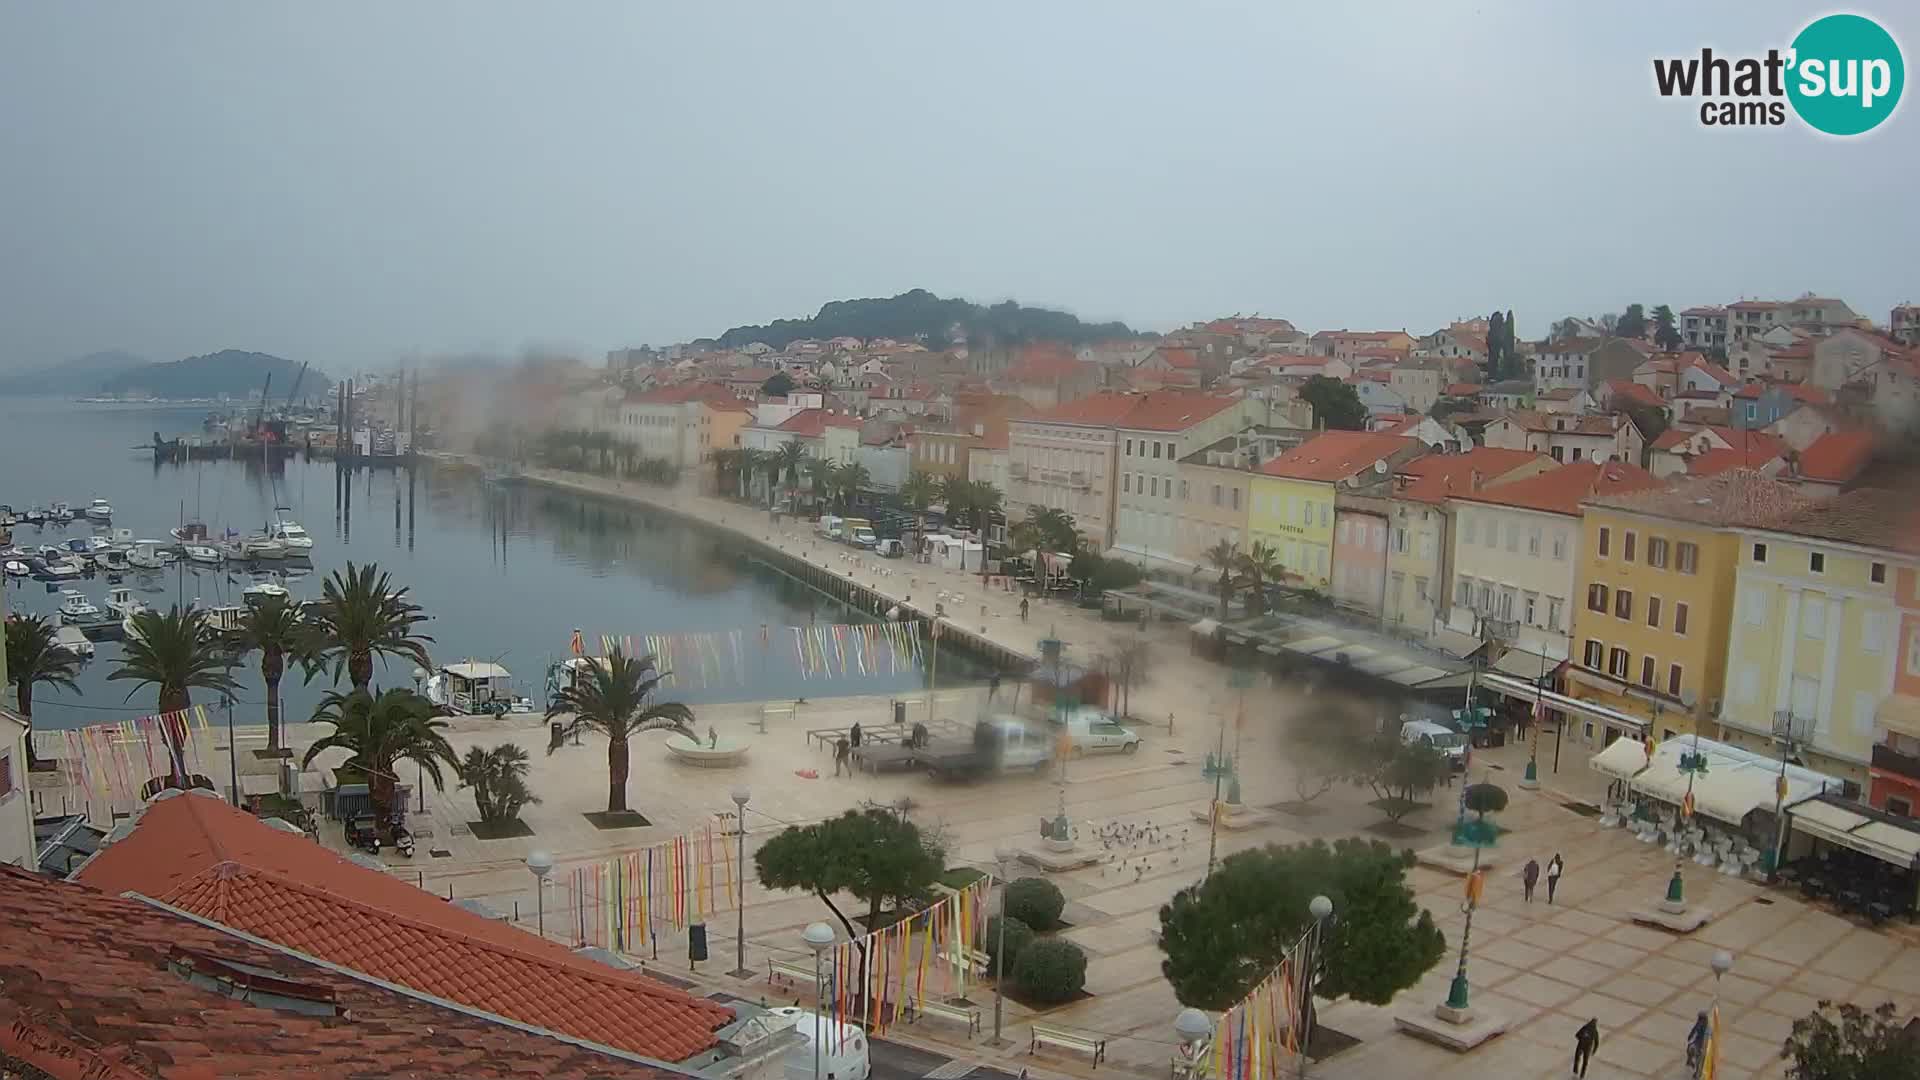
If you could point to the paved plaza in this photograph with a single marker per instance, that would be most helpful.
(1546, 968)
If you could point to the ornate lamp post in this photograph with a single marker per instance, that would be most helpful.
(1194, 1062)
(1531, 779)
(1321, 908)
(541, 863)
(1002, 856)
(740, 796)
(819, 938)
(1479, 834)
(420, 770)
(1693, 763)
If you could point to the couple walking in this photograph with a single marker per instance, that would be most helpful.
(1530, 876)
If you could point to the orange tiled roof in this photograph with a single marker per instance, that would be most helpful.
(811, 423)
(1837, 456)
(1735, 497)
(1172, 410)
(1335, 455)
(1562, 490)
(1044, 362)
(1753, 456)
(1094, 410)
(1435, 477)
(89, 990)
(1632, 392)
(206, 858)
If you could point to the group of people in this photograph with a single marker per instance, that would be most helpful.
(1530, 876)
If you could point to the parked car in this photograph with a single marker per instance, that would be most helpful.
(1447, 741)
(1090, 731)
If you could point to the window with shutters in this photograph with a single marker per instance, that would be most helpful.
(1657, 552)
(1686, 557)
(1805, 696)
(1529, 604)
(1647, 665)
(1622, 604)
(1617, 663)
(1559, 547)
(1593, 654)
(1653, 612)
(1673, 680)
(1606, 537)
(1463, 592)
(1554, 604)
(1597, 598)
(1533, 541)
(1680, 619)
(1626, 546)
(1813, 617)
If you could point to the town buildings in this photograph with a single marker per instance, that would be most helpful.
(1293, 495)
(1063, 458)
(16, 806)
(1161, 428)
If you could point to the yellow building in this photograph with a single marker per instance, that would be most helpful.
(1655, 587)
(1814, 646)
(1292, 501)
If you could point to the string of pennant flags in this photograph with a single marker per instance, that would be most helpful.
(933, 945)
(822, 651)
(1261, 1032)
(619, 901)
(114, 760)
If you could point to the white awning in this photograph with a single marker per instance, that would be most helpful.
(472, 671)
(1838, 825)
(1736, 783)
(1414, 676)
(1315, 645)
(1455, 643)
(1623, 760)
(1522, 664)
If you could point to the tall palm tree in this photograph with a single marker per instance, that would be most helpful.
(849, 480)
(34, 660)
(1224, 556)
(724, 461)
(790, 458)
(360, 614)
(984, 500)
(175, 653)
(274, 628)
(380, 733)
(918, 493)
(771, 464)
(614, 695)
(1260, 565)
(1055, 528)
(820, 478)
(750, 462)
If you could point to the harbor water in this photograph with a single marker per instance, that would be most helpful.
(507, 571)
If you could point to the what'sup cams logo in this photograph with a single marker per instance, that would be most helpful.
(1842, 76)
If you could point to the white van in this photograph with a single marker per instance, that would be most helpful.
(1434, 736)
(1090, 731)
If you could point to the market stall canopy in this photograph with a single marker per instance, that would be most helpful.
(1522, 664)
(1205, 627)
(1622, 760)
(1736, 782)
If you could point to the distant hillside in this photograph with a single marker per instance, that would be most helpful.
(921, 316)
(80, 375)
(229, 371)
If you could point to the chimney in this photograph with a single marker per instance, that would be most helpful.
(1473, 480)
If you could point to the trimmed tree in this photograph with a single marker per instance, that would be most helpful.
(1847, 1042)
(1036, 902)
(872, 855)
(498, 778)
(1050, 971)
(1019, 936)
(1222, 936)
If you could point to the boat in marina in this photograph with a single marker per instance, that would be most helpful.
(57, 568)
(204, 554)
(16, 568)
(260, 546)
(223, 618)
(77, 610)
(122, 603)
(145, 555)
(114, 561)
(72, 639)
(289, 532)
(472, 687)
(60, 512)
(263, 588)
(100, 510)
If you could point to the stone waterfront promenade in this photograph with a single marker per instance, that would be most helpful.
(1546, 969)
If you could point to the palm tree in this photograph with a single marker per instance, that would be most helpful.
(33, 659)
(789, 459)
(850, 479)
(498, 778)
(274, 627)
(724, 462)
(1224, 556)
(1260, 565)
(820, 478)
(359, 615)
(614, 696)
(984, 500)
(380, 733)
(750, 462)
(918, 492)
(1055, 529)
(771, 464)
(175, 653)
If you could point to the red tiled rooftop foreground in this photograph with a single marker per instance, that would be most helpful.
(204, 857)
(90, 993)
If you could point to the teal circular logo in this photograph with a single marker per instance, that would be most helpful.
(1846, 75)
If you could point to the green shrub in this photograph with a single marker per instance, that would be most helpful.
(1019, 936)
(1050, 970)
(1035, 901)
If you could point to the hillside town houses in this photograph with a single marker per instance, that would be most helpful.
(1586, 523)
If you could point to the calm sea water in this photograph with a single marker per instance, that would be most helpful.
(506, 572)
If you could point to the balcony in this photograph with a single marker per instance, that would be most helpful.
(1887, 759)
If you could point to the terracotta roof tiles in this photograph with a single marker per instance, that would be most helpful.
(1434, 478)
(1562, 490)
(1837, 456)
(1735, 497)
(90, 989)
(1335, 455)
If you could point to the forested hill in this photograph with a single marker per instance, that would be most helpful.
(921, 316)
(229, 371)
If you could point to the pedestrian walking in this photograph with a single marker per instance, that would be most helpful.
(842, 756)
(1554, 866)
(1585, 1042)
(1529, 877)
(853, 735)
(1023, 609)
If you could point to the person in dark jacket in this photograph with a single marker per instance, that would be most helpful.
(1585, 1042)
(1529, 877)
(1554, 866)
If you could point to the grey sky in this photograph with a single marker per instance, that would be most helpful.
(348, 183)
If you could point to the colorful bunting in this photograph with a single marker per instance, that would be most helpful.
(103, 756)
(1258, 1038)
(618, 901)
(705, 661)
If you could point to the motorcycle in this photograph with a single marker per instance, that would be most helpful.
(362, 834)
(402, 838)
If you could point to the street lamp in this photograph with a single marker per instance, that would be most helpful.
(1194, 1030)
(1721, 963)
(819, 938)
(1321, 908)
(420, 769)
(740, 797)
(541, 863)
(1001, 857)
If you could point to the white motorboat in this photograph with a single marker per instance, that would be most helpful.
(223, 618)
(100, 510)
(201, 553)
(60, 569)
(121, 602)
(262, 547)
(61, 512)
(261, 590)
(76, 609)
(474, 687)
(145, 555)
(70, 639)
(16, 568)
(114, 561)
(289, 532)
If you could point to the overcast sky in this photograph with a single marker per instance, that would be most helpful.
(351, 183)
